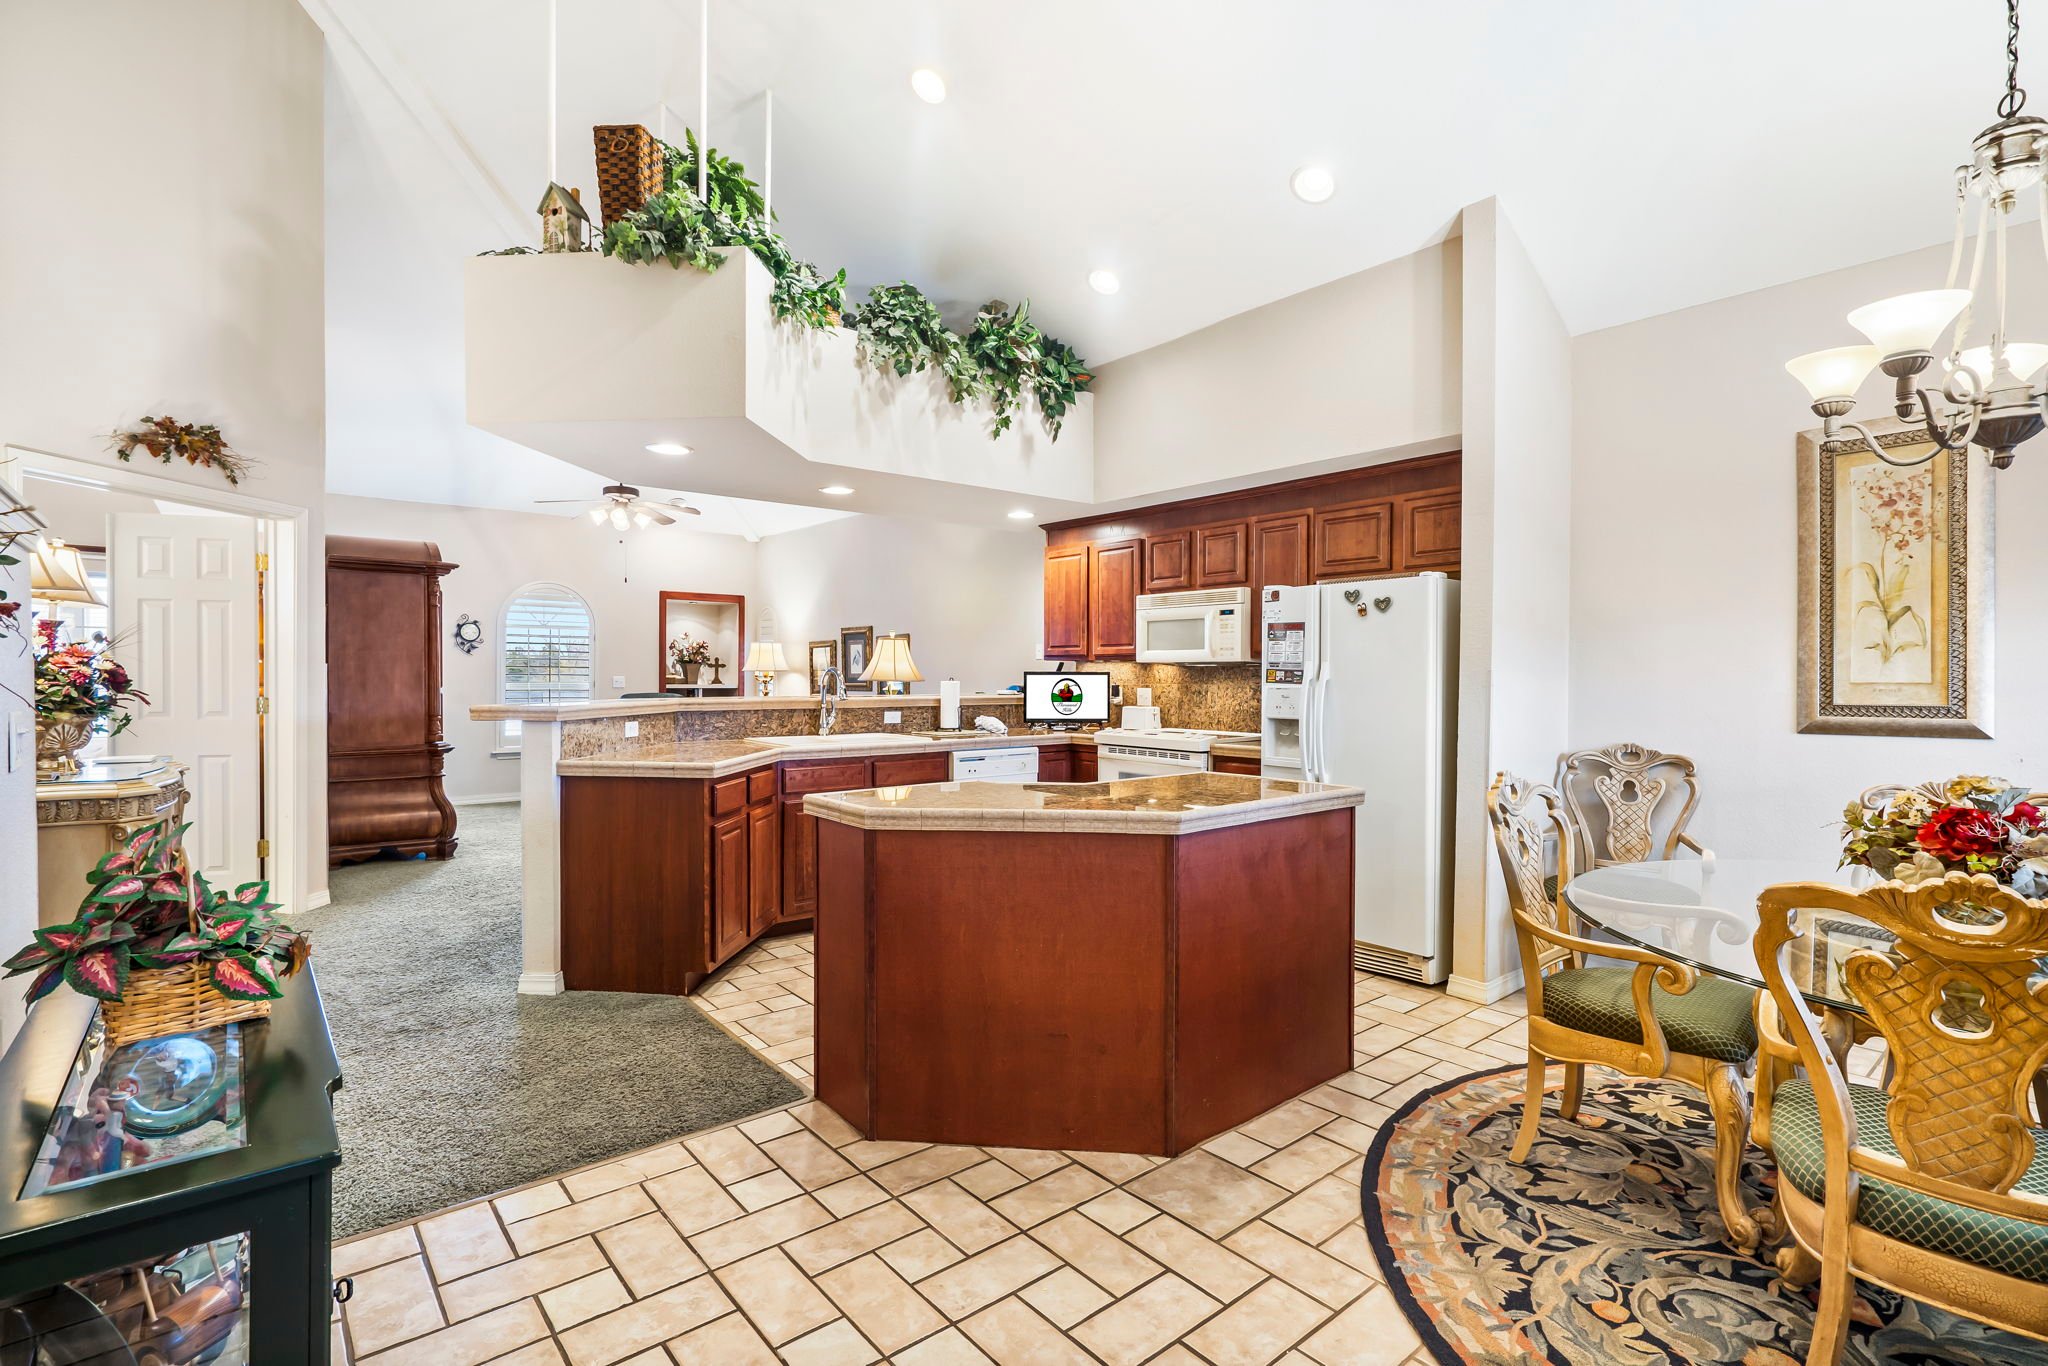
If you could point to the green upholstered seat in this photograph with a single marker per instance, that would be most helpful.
(1713, 1020)
(2014, 1246)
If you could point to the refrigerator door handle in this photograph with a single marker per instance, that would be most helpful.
(1322, 737)
(1309, 721)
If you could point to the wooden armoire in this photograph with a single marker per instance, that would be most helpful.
(384, 745)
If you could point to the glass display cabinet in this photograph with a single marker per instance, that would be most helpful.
(169, 1200)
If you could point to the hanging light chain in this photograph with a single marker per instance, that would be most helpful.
(2015, 98)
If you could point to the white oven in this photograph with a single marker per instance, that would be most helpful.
(1208, 626)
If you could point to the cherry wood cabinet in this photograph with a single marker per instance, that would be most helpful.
(1169, 562)
(1233, 763)
(1399, 518)
(907, 770)
(1083, 770)
(1114, 573)
(385, 749)
(1066, 601)
(800, 831)
(764, 866)
(1056, 764)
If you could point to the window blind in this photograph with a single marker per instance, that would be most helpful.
(547, 649)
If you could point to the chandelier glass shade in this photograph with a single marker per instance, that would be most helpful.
(1987, 396)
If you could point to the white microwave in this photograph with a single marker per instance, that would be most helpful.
(1209, 626)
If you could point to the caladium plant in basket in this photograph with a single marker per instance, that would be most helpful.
(148, 911)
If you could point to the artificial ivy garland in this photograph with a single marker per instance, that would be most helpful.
(899, 329)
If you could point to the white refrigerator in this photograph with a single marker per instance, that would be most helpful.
(1360, 687)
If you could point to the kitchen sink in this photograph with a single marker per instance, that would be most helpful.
(847, 740)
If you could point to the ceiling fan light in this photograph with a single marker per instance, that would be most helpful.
(1835, 373)
(597, 516)
(1907, 323)
(642, 520)
(619, 518)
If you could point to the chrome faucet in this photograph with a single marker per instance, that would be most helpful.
(831, 687)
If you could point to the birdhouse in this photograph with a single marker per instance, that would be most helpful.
(562, 220)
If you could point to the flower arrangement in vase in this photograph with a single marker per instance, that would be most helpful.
(79, 689)
(1969, 824)
(166, 953)
(687, 656)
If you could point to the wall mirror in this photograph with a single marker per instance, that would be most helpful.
(703, 642)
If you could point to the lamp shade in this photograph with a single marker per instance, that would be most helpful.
(892, 662)
(2025, 359)
(1835, 373)
(1909, 322)
(57, 574)
(765, 656)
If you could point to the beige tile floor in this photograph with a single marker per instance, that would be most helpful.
(788, 1237)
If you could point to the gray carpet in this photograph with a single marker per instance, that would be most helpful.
(454, 1086)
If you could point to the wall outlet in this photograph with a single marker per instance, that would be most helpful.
(892, 718)
(618, 680)
(632, 730)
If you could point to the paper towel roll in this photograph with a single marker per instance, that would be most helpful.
(949, 704)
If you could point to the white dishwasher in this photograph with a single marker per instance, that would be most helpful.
(1006, 764)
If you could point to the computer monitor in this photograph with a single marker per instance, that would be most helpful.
(1064, 698)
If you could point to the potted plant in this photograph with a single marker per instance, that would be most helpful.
(687, 656)
(165, 953)
(79, 689)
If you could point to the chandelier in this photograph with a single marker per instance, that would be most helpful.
(1987, 396)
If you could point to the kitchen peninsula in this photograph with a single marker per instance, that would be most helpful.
(1126, 966)
(683, 821)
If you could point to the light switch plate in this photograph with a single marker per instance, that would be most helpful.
(892, 718)
(632, 730)
(21, 726)
(618, 680)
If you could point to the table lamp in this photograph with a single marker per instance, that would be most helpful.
(892, 666)
(57, 574)
(765, 660)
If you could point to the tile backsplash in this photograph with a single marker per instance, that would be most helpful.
(1198, 696)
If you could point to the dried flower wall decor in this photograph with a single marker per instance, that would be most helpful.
(197, 443)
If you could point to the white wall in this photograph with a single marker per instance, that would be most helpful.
(1684, 589)
(502, 552)
(971, 597)
(172, 261)
(17, 789)
(1515, 666)
(1365, 364)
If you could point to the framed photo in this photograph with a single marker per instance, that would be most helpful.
(856, 648)
(1895, 590)
(824, 655)
(1833, 943)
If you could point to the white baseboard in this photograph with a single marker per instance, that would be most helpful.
(540, 984)
(1484, 993)
(495, 799)
(318, 899)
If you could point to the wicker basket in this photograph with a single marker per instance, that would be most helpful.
(179, 1000)
(629, 169)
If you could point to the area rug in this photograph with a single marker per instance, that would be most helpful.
(453, 1085)
(1605, 1249)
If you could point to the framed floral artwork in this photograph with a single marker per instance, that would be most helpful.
(824, 655)
(1895, 590)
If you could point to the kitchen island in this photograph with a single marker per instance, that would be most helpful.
(1128, 966)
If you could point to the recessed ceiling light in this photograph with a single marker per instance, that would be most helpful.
(1104, 281)
(668, 448)
(1313, 184)
(1020, 514)
(836, 490)
(929, 85)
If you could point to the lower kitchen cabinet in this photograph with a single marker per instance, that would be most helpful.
(1084, 763)
(1056, 764)
(1233, 763)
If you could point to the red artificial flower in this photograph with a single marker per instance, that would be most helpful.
(47, 629)
(2026, 814)
(1956, 832)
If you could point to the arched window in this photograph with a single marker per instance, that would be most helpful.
(546, 646)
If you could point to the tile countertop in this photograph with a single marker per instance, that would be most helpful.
(722, 758)
(1176, 804)
(647, 706)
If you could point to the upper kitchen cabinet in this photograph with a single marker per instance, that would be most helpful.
(1426, 530)
(1222, 558)
(1114, 573)
(1399, 518)
(1353, 540)
(1066, 601)
(1169, 562)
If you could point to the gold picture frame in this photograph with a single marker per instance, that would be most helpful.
(824, 654)
(1895, 588)
(856, 648)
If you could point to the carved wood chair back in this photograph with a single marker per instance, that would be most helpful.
(1628, 803)
(1956, 1000)
(1533, 837)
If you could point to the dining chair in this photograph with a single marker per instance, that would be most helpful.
(1933, 1184)
(1656, 1018)
(1619, 797)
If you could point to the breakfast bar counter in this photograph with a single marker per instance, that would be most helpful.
(1129, 966)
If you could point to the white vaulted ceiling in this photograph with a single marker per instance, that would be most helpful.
(1652, 154)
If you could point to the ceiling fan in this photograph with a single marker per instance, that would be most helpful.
(623, 507)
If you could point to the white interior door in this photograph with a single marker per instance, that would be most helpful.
(184, 603)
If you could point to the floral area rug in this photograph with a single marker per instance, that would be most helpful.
(1605, 1248)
